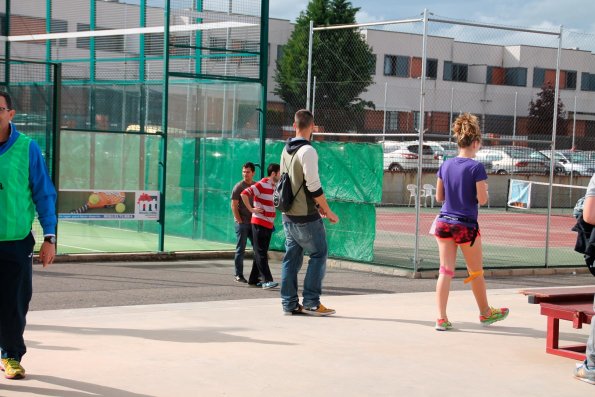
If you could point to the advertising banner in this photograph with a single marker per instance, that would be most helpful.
(108, 204)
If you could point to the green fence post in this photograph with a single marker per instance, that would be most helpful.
(7, 43)
(164, 113)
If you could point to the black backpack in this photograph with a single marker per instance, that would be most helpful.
(283, 195)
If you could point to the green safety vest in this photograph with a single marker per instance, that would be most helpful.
(17, 210)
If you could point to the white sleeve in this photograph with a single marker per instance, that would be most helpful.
(309, 160)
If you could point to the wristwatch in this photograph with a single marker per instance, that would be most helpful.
(50, 239)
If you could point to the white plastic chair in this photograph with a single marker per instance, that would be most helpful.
(412, 193)
(428, 191)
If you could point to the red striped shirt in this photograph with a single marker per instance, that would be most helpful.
(262, 191)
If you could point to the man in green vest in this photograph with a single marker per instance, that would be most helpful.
(25, 188)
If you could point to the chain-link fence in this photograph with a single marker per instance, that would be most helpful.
(145, 84)
(371, 83)
(34, 89)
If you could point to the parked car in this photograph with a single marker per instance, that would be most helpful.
(505, 160)
(447, 149)
(403, 156)
(574, 162)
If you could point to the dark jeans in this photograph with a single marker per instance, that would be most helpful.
(243, 233)
(16, 288)
(262, 239)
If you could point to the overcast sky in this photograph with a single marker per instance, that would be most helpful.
(546, 14)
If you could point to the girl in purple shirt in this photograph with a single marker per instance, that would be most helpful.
(462, 186)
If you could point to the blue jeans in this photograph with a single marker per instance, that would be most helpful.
(590, 361)
(243, 233)
(310, 238)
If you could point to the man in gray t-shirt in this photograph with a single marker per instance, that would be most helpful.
(586, 371)
(242, 220)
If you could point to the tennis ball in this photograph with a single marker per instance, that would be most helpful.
(94, 198)
(120, 207)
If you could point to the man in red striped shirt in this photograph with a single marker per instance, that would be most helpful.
(263, 218)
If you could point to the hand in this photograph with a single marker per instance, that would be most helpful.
(321, 211)
(332, 217)
(47, 253)
(257, 210)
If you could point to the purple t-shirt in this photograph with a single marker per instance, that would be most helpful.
(459, 176)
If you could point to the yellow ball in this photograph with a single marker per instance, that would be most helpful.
(94, 198)
(120, 207)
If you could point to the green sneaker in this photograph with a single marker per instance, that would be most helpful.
(12, 369)
(443, 325)
(494, 315)
(582, 372)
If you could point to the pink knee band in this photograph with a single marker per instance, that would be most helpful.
(446, 272)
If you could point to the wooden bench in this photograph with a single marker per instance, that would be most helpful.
(571, 304)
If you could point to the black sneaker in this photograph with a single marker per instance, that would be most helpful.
(240, 279)
(298, 310)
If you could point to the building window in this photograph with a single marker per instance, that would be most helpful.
(183, 43)
(105, 43)
(392, 120)
(372, 64)
(154, 44)
(587, 81)
(543, 77)
(432, 68)
(416, 121)
(251, 46)
(506, 76)
(455, 71)
(59, 26)
(280, 49)
(395, 65)
(515, 76)
(571, 79)
(220, 43)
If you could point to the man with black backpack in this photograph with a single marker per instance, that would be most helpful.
(302, 222)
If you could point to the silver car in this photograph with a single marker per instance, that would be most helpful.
(505, 160)
(403, 156)
(574, 162)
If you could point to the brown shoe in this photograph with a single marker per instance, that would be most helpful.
(320, 310)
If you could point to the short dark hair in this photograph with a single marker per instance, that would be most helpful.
(249, 165)
(7, 98)
(273, 167)
(303, 119)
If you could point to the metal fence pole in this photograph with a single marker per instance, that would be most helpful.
(264, 60)
(384, 120)
(452, 97)
(310, 44)
(164, 126)
(573, 146)
(552, 159)
(516, 94)
(422, 94)
(314, 95)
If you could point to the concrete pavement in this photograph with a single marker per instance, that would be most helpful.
(376, 345)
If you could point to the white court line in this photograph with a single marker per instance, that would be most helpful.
(128, 31)
(81, 248)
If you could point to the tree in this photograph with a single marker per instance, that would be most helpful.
(541, 113)
(342, 63)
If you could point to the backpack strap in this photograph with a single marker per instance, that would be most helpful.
(290, 163)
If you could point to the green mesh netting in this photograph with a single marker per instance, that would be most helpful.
(201, 173)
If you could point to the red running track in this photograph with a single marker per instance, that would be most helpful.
(508, 229)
